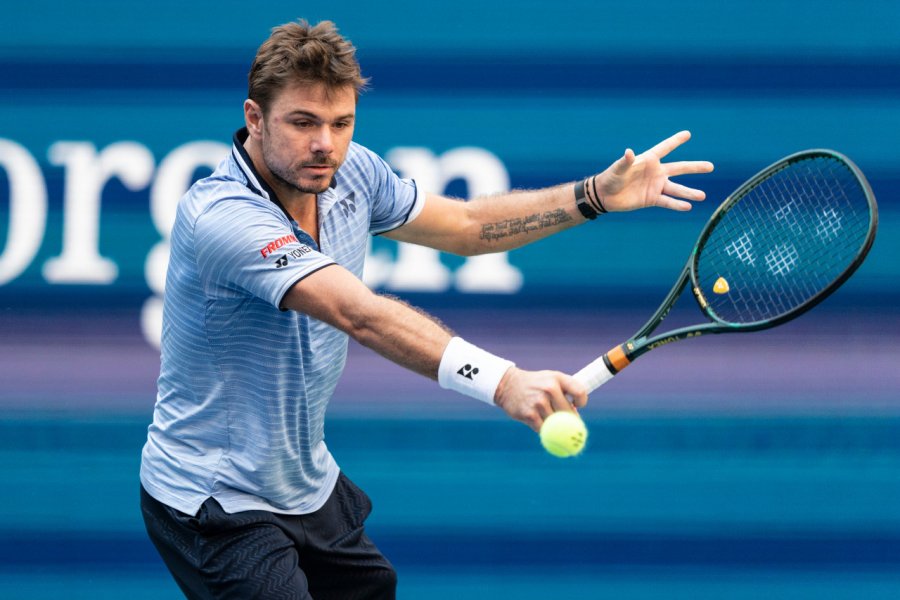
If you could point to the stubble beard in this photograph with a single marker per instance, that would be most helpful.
(287, 177)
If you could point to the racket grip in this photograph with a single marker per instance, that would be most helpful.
(594, 375)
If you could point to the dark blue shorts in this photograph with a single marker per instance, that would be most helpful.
(258, 554)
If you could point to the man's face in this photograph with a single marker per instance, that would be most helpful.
(306, 134)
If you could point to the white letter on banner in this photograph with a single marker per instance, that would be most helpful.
(484, 174)
(174, 176)
(86, 174)
(419, 268)
(27, 210)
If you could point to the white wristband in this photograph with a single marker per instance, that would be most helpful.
(469, 370)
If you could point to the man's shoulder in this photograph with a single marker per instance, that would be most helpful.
(363, 171)
(223, 189)
(361, 159)
(228, 179)
(358, 149)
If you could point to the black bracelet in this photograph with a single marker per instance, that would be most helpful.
(582, 203)
(599, 205)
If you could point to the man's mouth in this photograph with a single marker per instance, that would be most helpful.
(316, 170)
(318, 167)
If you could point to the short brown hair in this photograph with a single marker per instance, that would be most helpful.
(304, 53)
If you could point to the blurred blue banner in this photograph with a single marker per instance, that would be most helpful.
(109, 114)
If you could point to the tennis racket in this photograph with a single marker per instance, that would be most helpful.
(780, 244)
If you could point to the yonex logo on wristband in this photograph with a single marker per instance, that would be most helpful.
(468, 371)
(490, 370)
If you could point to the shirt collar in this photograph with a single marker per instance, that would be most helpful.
(254, 179)
(242, 158)
(258, 185)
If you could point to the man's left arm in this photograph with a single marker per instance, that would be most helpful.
(507, 221)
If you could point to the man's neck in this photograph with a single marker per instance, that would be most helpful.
(301, 206)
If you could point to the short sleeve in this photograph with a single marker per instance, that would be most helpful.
(243, 245)
(395, 201)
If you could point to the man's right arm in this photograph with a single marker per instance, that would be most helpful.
(388, 326)
(414, 340)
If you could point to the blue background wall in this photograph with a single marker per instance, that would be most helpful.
(726, 467)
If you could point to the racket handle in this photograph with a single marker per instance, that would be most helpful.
(594, 375)
(603, 369)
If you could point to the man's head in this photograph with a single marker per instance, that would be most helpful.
(301, 109)
(305, 54)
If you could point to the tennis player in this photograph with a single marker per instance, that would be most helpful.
(239, 492)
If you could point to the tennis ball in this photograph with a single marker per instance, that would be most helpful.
(563, 434)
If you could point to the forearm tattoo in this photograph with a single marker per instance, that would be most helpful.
(523, 225)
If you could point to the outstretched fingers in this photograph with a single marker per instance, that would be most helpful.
(676, 190)
(673, 203)
(634, 182)
(621, 166)
(688, 167)
(667, 145)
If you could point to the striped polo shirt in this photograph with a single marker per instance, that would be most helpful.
(243, 385)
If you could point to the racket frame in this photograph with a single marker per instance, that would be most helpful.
(606, 366)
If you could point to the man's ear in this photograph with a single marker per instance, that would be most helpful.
(253, 117)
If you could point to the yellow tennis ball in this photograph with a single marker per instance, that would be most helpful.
(563, 434)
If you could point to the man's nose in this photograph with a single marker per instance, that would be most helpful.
(323, 141)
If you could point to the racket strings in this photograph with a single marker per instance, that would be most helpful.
(785, 240)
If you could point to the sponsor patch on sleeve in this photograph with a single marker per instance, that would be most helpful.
(274, 245)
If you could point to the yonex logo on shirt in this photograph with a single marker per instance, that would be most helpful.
(348, 205)
(296, 253)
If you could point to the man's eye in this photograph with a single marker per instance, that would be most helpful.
(341, 125)
(302, 124)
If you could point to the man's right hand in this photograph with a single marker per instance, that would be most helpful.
(532, 396)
